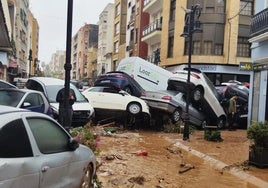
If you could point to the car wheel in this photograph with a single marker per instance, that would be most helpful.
(87, 178)
(221, 123)
(134, 108)
(128, 89)
(197, 94)
(176, 116)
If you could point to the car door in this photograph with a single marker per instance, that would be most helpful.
(18, 168)
(34, 102)
(59, 166)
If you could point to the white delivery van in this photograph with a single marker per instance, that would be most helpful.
(150, 76)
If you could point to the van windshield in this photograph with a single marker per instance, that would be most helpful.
(52, 91)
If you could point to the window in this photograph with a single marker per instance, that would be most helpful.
(117, 10)
(207, 47)
(170, 46)
(243, 47)
(116, 46)
(50, 138)
(196, 47)
(14, 140)
(218, 49)
(246, 8)
(116, 28)
(172, 10)
(34, 99)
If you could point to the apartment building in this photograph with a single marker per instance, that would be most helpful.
(86, 37)
(5, 39)
(221, 50)
(136, 19)
(33, 45)
(258, 108)
(152, 33)
(119, 39)
(56, 65)
(105, 40)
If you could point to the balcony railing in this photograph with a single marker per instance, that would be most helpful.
(154, 26)
(259, 23)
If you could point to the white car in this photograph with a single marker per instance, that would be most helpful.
(26, 99)
(82, 109)
(36, 152)
(203, 94)
(110, 100)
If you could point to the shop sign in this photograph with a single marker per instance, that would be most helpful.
(245, 66)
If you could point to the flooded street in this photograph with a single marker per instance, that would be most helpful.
(150, 159)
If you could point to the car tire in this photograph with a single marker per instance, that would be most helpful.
(197, 94)
(128, 89)
(87, 178)
(134, 108)
(176, 116)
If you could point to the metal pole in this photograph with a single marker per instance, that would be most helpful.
(187, 119)
(68, 65)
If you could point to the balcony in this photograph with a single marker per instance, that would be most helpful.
(259, 27)
(152, 33)
(152, 6)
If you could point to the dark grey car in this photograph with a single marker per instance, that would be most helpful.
(174, 103)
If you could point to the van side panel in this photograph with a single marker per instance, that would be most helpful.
(149, 76)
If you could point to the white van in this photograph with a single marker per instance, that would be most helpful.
(150, 76)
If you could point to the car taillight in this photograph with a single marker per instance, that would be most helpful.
(195, 75)
(120, 76)
(169, 98)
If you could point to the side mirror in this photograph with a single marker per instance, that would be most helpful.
(26, 104)
(73, 144)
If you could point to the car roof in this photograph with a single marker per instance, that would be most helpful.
(9, 84)
(48, 80)
(8, 109)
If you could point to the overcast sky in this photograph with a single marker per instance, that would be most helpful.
(52, 19)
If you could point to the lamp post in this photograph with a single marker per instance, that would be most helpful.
(30, 58)
(192, 24)
(67, 65)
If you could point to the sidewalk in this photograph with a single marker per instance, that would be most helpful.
(231, 154)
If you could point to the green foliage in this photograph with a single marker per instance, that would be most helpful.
(86, 137)
(258, 133)
(213, 135)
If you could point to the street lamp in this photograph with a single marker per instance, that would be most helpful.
(192, 24)
(68, 65)
(30, 58)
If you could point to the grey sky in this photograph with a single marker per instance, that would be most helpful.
(52, 19)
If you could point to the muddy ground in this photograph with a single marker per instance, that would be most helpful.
(150, 159)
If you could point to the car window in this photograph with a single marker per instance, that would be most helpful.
(34, 99)
(10, 98)
(52, 91)
(14, 140)
(49, 137)
(31, 84)
(110, 90)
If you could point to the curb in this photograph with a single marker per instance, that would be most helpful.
(233, 170)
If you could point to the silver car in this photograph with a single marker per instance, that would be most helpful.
(36, 151)
(173, 103)
(26, 99)
(203, 94)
